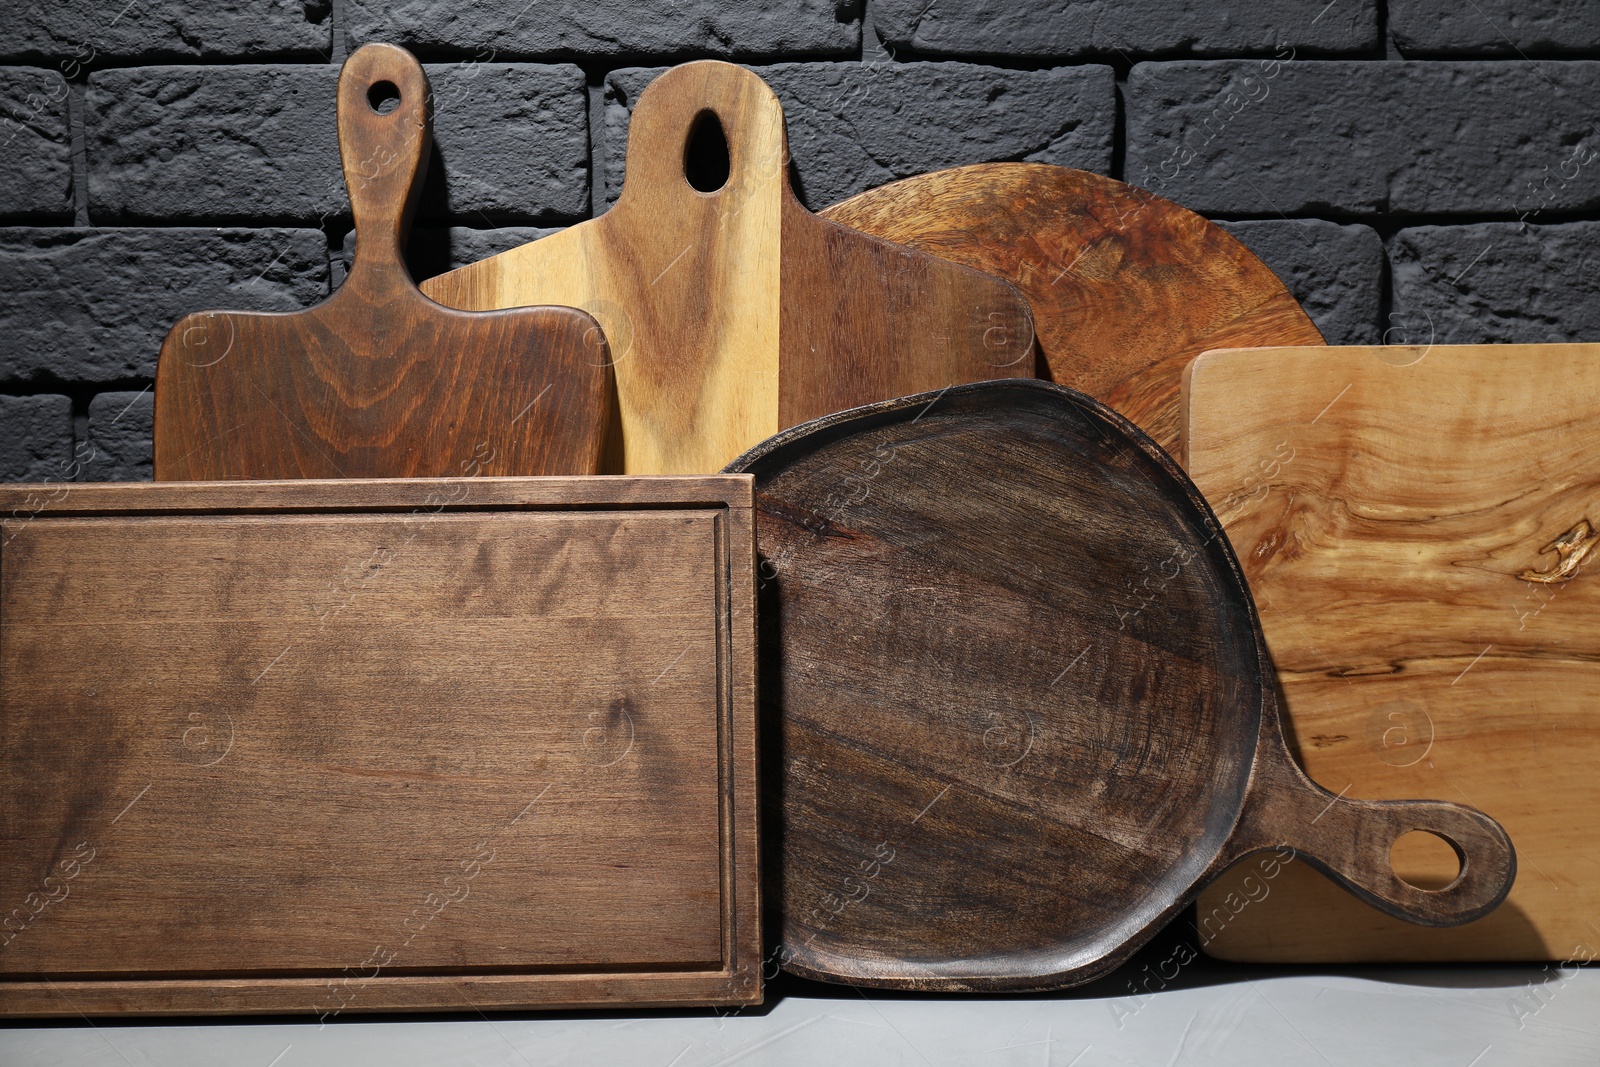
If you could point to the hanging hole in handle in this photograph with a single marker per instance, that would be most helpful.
(705, 154)
(383, 97)
(1425, 860)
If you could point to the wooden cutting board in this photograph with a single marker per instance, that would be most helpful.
(1126, 288)
(377, 380)
(732, 311)
(1023, 707)
(398, 745)
(1417, 525)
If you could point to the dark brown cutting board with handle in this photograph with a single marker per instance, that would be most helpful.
(732, 311)
(1126, 287)
(1020, 706)
(322, 746)
(378, 380)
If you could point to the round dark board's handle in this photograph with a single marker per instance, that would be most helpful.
(1350, 840)
(384, 139)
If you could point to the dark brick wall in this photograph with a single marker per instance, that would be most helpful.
(1414, 169)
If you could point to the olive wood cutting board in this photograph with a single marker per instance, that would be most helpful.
(1126, 287)
(1020, 706)
(1418, 527)
(378, 380)
(731, 310)
(389, 745)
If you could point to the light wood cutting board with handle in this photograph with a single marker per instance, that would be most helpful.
(377, 380)
(1418, 528)
(732, 311)
(1126, 288)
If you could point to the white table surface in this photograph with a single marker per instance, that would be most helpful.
(1470, 1016)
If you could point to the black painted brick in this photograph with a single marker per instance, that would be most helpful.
(1336, 272)
(1496, 282)
(93, 305)
(96, 31)
(35, 439)
(855, 126)
(243, 143)
(1346, 137)
(121, 437)
(1073, 28)
(1494, 27)
(35, 142)
(601, 29)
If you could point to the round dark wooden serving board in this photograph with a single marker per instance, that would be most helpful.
(1017, 703)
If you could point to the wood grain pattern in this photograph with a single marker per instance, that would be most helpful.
(1394, 508)
(1022, 703)
(1126, 288)
(419, 744)
(377, 380)
(736, 312)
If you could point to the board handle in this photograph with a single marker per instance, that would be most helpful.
(1350, 841)
(674, 107)
(384, 140)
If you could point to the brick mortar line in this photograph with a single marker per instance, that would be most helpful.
(78, 146)
(1391, 51)
(1385, 286)
(337, 46)
(80, 430)
(595, 96)
(1383, 222)
(1118, 167)
(1021, 63)
(78, 150)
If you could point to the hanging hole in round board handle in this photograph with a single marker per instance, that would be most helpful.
(1425, 860)
(384, 140)
(383, 97)
(1354, 843)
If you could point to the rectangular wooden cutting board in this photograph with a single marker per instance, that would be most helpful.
(316, 747)
(1416, 525)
